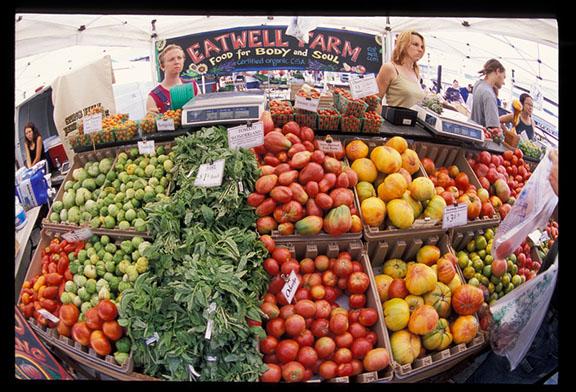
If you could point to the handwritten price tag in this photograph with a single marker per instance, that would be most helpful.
(77, 235)
(290, 287)
(245, 136)
(146, 147)
(363, 85)
(210, 175)
(92, 123)
(330, 146)
(310, 104)
(455, 216)
(165, 125)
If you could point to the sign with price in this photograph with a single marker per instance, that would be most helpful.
(92, 123)
(77, 235)
(47, 315)
(165, 125)
(246, 136)
(290, 287)
(210, 175)
(146, 147)
(455, 216)
(363, 85)
(330, 145)
(310, 104)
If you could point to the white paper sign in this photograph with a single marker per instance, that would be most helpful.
(49, 316)
(244, 136)
(210, 175)
(535, 237)
(165, 125)
(78, 235)
(455, 216)
(92, 123)
(363, 85)
(333, 146)
(310, 104)
(290, 287)
(146, 147)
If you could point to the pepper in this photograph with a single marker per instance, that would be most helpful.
(53, 279)
(49, 304)
(49, 292)
(27, 310)
(63, 265)
(52, 267)
(39, 282)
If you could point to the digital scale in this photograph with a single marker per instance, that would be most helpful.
(224, 107)
(450, 123)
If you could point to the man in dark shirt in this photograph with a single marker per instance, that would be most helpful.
(453, 93)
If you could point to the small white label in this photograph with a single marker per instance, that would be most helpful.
(310, 104)
(407, 121)
(153, 339)
(290, 287)
(330, 146)
(209, 326)
(363, 85)
(455, 216)
(545, 237)
(535, 237)
(192, 373)
(47, 315)
(146, 147)
(210, 175)
(78, 235)
(92, 123)
(165, 125)
(245, 136)
(240, 187)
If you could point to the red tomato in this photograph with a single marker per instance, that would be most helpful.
(107, 311)
(112, 330)
(100, 343)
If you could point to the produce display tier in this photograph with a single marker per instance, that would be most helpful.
(332, 248)
(90, 156)
(435, 363)
(50, 336)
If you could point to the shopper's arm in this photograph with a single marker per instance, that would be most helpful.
(28, 161)
(151, 105)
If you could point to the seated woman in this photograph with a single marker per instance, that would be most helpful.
(171, 63)
(34, 146)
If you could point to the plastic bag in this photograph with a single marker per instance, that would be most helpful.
(300, 27)
(534, 206)
(516, 317)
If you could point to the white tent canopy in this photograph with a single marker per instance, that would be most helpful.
(462, 45)
(37, 33)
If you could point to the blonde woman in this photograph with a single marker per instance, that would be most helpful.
(399, 79)
(171, 63)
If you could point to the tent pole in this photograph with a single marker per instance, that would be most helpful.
(153, 37)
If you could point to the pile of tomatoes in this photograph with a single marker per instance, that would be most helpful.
(43, 291)
(372, 122)
(314, 335)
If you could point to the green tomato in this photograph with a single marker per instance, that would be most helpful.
(91, 286)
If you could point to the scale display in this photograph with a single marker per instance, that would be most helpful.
(450, 123)
(224, 107)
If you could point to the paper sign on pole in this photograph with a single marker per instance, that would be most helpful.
(210, 175)
(165, 125)
(78, 235)
(146, 147)
(309, 104)
(330, 146)
(93, 123)
(363, 85)
(455, 216)
(290, 287)
(246, 136)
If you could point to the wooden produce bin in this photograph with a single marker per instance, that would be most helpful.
(85, 355)
(385, 230)
(433, 363)
(444, 155)
(301, 250)
(95, 156)
(79, 161)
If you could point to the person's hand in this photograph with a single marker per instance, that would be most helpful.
(154, 110)
(553, 177)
